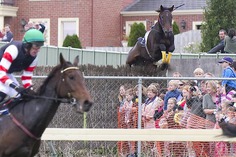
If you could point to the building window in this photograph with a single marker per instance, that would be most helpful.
(128, 25)
(67, 26)
(197, 25)
(46, 23)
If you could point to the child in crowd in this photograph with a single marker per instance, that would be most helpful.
(176, 74)
(198, 72)
(230, 115)
(172, 92)
(121, 97)
(136, 94)
(128, 105)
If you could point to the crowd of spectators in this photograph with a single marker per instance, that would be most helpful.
(6, 35)
(195, 104)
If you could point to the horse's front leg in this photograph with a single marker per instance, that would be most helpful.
(163, 52)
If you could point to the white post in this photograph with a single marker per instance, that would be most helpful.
(1, 22)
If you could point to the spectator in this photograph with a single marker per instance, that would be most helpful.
(208, 74)
(209, 103)
(222, 96)
(230, 41)
(16, 57)
(162, 93)
(121, 97)
(176, 74)
(8, 37)
(128, 105)
(219, 47)
(172, 92)
(40, 27)
(230, 115)
(181, 85)
(198, 72)
(194, 103)
(136, 93)
(29, 25)
(152, 103)
(228, 72)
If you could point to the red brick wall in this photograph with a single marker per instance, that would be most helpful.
(188, 18)
(100, 22)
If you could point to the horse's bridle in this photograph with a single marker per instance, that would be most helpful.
(64, 100)
(160, 20)
(70, 99)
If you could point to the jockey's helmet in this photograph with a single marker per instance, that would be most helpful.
(34, 36)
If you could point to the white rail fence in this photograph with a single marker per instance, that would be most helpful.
(205, 135)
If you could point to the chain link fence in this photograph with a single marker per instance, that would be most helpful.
(105, 114)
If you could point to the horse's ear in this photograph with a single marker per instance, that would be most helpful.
(76, 61)
(159, 10)
(62, 60)
(172, 8)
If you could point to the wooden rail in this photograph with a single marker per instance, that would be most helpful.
(66, 134)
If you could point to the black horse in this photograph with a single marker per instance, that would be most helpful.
(158, 41)
(22, 127)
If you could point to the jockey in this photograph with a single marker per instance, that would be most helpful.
(18, 56)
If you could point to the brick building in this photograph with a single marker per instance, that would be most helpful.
(97, 23)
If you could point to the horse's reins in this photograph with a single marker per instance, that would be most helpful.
(64, 100)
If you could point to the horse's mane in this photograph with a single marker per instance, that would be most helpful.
(51, 74)
(45, 82)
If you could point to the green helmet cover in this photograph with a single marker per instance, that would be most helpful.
(33, 36)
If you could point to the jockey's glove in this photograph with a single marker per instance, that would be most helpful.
(19, 89)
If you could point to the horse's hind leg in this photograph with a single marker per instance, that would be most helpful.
(132, 55)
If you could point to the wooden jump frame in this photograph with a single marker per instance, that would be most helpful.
(66, 134)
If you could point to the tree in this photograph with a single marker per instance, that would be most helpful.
(72, 41)
(137, 30)
(175, 28)
(217, 15)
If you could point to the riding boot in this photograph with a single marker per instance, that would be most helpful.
(163, 56)
(169, 57)
(2, 97)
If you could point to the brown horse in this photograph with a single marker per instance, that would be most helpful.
(21, 129)
(158, 41)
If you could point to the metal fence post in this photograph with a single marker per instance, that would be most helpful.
(139, 111)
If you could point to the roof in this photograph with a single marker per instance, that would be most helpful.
(151, 5)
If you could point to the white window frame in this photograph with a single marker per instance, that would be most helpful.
(128, 25)
(47, 29)
(195, 23)
(60, 31)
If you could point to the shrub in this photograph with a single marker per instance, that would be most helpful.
(72, 41)
(175, 28)
(137, 30)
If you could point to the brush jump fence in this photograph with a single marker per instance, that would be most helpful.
(103, 132)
